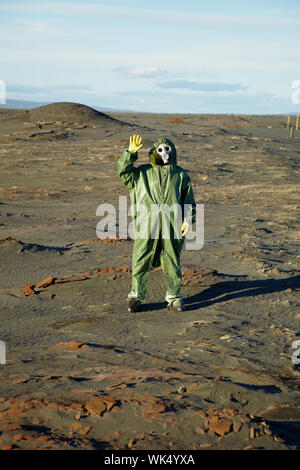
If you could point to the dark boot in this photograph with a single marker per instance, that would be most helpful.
(133, 305)
(177, 305)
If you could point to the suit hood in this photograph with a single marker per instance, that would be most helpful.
(154, 156)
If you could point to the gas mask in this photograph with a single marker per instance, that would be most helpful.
(164, 151)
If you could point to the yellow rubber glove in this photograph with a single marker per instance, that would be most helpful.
(184, 228)
(135, 143)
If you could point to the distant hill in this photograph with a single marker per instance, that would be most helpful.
(18, 104)
(65, 111)
(61, 111)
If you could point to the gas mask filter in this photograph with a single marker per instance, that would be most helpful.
(164, 151)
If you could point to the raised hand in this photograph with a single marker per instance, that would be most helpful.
(135, 143)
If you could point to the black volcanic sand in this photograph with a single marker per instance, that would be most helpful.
(82, 372)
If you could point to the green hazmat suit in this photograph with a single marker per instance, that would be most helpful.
(154, 188)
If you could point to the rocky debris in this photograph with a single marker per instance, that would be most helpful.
(177, 121)
(182, 389)
(46, 282)
(46, 135)
(49, 135)
(7, 447)
(111, 269)
(192, 276)
(29, 289)
(17, 191)
(195, 276)
(98, 240)
(224, 421)
(154, 405)
(99, 405)
(20, 420)
(50, 280)
(71, 345)
(66, 164)
(19, 414)
(104, 240)
(29, 286)
(220, 426)
(69, 278)
(4, 239)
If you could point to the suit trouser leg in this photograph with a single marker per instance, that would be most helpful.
(170, 262)
(143, 252)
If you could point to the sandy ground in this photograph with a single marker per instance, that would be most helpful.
(82, 372)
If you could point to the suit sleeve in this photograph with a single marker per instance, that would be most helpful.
(126, 171)
(187, 198)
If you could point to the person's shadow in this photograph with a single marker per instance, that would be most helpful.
(226, 290)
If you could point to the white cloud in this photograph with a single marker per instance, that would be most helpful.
(201, 86)
(27, 92)
(146, 72)
(141, 72)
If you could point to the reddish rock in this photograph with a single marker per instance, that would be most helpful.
(103, 271)
(36, 421)
(229, 411)
(208, 271)
(46, 282)
(69, 278)
(28, 289)
(237, 426)
(7, 447)
(72, 345)
(30, 438)
(131, 443)
(221, 427)
(11, 427)
(99, 405)
(115, 409)
(181, 389)
(43, 438)
(177, 121)
(75, 427)
(96, 406)
(109, 403)
(85, 430)
(199, 430)
(6, 238)
(214, 419)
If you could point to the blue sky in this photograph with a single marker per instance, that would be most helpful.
(159, 56)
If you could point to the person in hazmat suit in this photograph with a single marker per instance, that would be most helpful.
(162, 196)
